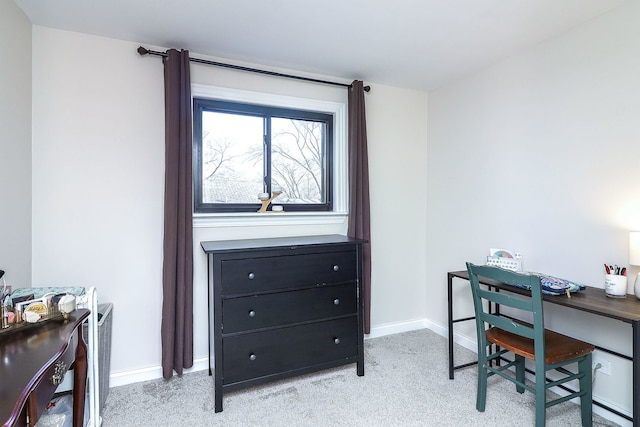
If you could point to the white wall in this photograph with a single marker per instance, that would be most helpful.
(396, 129)
(98, 165)
(15, 145)
(539, 154)
(98, 176)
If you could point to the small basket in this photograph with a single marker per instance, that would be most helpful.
(513, 264)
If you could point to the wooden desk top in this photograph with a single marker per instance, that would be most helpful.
(26, 354)
(592, 300)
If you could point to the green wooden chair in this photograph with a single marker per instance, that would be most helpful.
(549, 350)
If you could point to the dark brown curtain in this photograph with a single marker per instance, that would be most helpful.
(177, 270)
(359, 220)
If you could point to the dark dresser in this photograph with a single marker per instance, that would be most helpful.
(282, 307)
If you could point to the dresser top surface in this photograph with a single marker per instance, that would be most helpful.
(277, 242)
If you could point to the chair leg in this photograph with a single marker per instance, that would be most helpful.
(586, 385)
(541, 395)
(519, 372)
(481, 396)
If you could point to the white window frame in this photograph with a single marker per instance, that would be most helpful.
(340, 160)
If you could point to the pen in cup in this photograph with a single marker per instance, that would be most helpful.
(615, 270)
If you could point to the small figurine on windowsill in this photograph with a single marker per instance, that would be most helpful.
(266, 200)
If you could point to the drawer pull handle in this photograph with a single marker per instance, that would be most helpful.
(336, 267)
(252, 357)
(336, 301)
(59, 370)
(252, 313)
(252, 276)
(336, 340)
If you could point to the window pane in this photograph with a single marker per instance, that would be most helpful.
(232, 158)
(239, 147)
(297, 162)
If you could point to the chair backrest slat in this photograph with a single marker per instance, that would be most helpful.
(507, 324)
(506, 299)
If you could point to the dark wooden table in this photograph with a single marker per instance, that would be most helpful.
(591, 300)
(33, 360)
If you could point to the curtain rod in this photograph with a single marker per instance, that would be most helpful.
(144, 51)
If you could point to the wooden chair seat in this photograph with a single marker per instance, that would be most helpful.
(558, 347)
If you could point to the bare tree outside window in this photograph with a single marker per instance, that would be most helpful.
(229, 172)
(242, 150)
(297, 159)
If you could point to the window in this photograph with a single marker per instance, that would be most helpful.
(243, 149)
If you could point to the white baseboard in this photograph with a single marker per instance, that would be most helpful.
(151, 373)
(396, 328)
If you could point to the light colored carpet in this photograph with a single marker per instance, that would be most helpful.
(405, 384)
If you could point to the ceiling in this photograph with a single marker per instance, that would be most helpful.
(417, 44)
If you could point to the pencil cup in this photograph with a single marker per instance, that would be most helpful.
(615, 285)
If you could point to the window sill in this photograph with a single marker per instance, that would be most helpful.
(263, 219)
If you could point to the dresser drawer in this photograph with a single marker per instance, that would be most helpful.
(282, 308)
(247, 275)
(253, 355)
